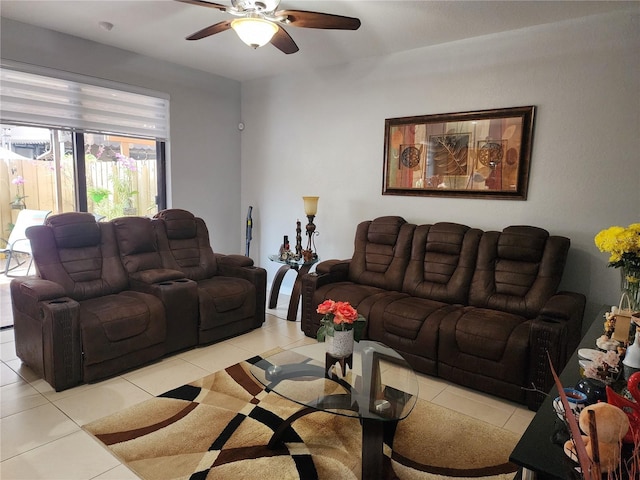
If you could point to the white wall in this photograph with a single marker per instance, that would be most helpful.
(204, 152)
(322, 133)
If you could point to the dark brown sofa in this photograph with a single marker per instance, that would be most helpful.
(480, 309)
(112, 296)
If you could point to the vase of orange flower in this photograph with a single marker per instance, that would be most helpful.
(340, 344)
(340, 326)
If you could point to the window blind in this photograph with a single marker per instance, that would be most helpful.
(33, 99)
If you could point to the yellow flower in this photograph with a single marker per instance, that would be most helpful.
(623, 244)
(606, 240)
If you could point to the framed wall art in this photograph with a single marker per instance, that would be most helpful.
(482, 154)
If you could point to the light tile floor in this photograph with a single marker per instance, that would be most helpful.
(41, 430)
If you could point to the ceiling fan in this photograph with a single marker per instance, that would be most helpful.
(259, 22)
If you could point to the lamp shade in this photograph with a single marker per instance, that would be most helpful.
(255, 32)
(310, 205)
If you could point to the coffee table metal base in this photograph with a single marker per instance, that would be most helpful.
(372, 439)
(372, 435)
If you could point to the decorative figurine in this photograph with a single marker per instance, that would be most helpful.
(285, 252)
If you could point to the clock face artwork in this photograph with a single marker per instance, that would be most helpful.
(410, 157)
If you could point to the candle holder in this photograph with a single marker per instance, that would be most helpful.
(298, 240)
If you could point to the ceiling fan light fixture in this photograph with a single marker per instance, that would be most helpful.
(254, 31)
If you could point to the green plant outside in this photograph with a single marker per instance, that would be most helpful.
(117, 201)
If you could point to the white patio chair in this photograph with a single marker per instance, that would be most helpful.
(18, 241)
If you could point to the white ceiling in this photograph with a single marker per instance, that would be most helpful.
(157, 28)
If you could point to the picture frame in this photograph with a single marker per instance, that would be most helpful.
(479, 154)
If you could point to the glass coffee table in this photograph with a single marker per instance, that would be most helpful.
(381, 389)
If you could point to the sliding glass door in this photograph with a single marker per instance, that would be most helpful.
(60, 170)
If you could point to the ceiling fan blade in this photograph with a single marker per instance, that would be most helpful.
(283, 42)
(211, 30)
(202, 3)
(303, 18)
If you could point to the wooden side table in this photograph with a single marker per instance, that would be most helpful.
(301, 267)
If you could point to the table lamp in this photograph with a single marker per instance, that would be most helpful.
(310, 210)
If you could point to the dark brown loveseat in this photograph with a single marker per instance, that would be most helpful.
(480, 309)
(112, 296)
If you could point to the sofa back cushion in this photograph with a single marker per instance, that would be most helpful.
(184, 244)
(381, 252)
(443, 259)
(137, 243)
(81, 255)
(518, 270)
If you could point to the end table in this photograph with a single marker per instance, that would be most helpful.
(301, 267)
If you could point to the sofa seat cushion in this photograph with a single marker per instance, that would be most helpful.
(347, 292)
(485, 333)
(224, 300)
(359, 296)
(487, 342)
(117, 325)
(410, 325)
(120, 317)
(406, 317)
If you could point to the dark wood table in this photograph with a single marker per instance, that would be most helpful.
(299, 266)
(539, 451)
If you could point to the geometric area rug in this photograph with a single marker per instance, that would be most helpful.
(218, 427)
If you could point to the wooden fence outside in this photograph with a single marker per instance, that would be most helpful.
(41, 193)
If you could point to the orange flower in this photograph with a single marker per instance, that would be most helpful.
(339, 316)
(326, 307)
(344, 313)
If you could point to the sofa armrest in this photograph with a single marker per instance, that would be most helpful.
(234, 260)
(569, 308)
(27, 294)
(240, 266)
(329, 271)
(248, 272)
(547, 339)
(308, 325)
(179, 296)
(47, 331)
(554, 334)
(338, 269)
(563, 305)
(37, 289)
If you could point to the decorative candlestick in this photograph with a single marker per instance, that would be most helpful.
(298, 239)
